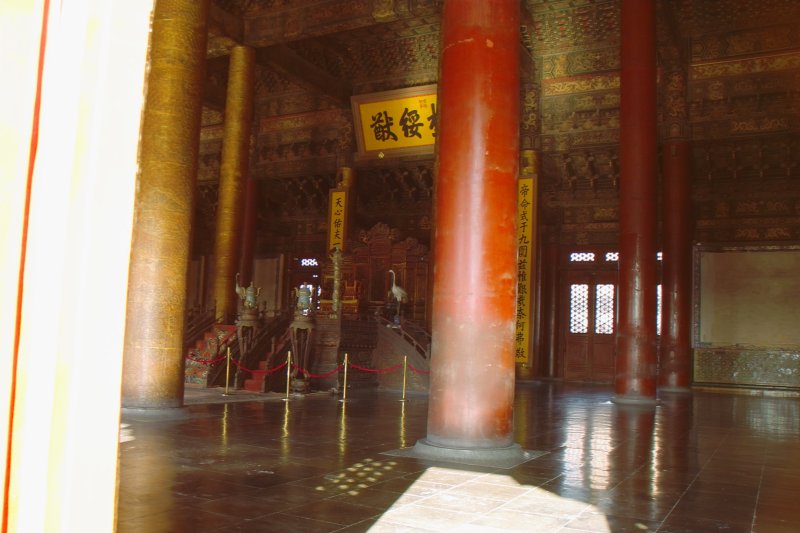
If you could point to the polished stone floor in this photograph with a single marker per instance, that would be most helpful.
(708, 461)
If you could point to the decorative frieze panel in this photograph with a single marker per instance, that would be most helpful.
(753, 105)
(583, 216)
(745, 97)
(558, 143)
(211, 117)
(591, 110)
(265, 25)
(581, 171)
(271, 82)
(673, 111)
(704, 17)
(574, 236)
(530, 124)
(211, 133)
(755, 214)
(277, 95)
(734, 366)
(305, 143)
(742, 231)
(579, 62)
(418, 53)
(750, 159)
(404, 188)
(390, 83)
(764, 208)
(210, 148)
(208, 163)
(300, 195)
(569, 24)
(580, 111)
(580, 84)
(762, 95)
(744, 42)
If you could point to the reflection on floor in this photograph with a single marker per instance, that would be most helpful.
(703, 462)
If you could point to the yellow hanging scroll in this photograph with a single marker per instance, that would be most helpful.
(337, 230)
(526, 223)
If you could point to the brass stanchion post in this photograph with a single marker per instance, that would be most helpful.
(227, 371)
(405, 370)
(344, 388)
(288, 374)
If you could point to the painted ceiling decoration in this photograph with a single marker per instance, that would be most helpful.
(729, 80)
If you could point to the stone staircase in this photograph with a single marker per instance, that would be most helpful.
(211, 345)
(259, 382)
(411, 341)
(359, 339)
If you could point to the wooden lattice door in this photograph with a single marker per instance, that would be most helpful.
(588, 326)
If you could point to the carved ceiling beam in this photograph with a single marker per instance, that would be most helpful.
(225, 31)
(220, 22)
(289, 62)
(272, 26)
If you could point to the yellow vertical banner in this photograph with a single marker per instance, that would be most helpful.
(337, 227)
(526, 222)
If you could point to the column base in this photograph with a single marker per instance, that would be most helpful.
(524, 373)
(159, 413)
(504, 457)
(635, 401)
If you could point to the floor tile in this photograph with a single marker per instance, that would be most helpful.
(311, 466)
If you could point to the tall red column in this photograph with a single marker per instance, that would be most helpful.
(475, 273)
(548, 319)
(676, 307)
(635, 379)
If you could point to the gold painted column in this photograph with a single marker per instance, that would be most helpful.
(153, 353)
(233, 172)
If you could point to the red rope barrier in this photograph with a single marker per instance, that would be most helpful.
(317, 376)
(254, 372)
(266, 358)
(377, 370)
(417, 370)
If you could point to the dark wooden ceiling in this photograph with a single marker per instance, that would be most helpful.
(739, 61)
(338, 48)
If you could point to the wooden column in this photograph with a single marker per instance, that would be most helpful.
(232, 175)
(549, 318)
(635, 380)
(249, 221)
(472, 361)
(676, 307)
(153, 357)
(675, 372)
